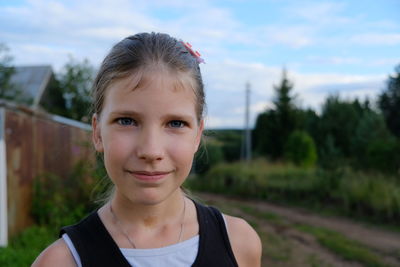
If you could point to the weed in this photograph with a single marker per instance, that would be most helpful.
(25, 247)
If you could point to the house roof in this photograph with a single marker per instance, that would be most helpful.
(32, 80)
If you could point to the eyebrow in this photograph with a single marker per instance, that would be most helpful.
(130, 113)
(124, 113)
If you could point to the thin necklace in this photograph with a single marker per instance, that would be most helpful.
(125, 233)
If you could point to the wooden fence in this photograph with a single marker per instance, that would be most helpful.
(33, 143)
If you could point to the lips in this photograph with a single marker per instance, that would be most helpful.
(149, 176)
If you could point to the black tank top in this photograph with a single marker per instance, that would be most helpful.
(96, 248)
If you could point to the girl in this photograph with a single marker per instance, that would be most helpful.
(148, 123)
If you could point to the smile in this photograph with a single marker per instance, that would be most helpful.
(148, 176)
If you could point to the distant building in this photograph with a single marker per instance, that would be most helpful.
(33, 81)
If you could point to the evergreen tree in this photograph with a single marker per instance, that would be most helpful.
(274, 126)
(389, 103)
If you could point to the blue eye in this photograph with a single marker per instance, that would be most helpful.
(177, 124)
(125, 121)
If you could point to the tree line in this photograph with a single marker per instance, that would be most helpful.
(360, 134)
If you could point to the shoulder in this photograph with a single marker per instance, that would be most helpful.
(245, 242)
(57, 254)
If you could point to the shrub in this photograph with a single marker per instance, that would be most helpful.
(25, 247)
(300, 149)
(58, 201)
(256, 179)
(371, 196)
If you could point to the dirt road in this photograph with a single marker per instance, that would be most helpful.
(285, 245)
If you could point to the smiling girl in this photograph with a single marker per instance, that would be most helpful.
(148, 124)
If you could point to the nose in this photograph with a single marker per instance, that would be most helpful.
(150, 146)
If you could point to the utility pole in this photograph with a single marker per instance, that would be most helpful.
(247, 131)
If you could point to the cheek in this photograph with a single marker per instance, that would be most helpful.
(183, 153)
(116, 149)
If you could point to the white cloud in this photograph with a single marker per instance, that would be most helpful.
(376, 39)
(47, 31)
(383, 62)
(255, 108)
(317, 12)
(212, 122)
(333, 60)
(314, 88)
(225, 84)
(289, 35)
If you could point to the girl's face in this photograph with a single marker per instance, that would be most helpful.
(148, 134)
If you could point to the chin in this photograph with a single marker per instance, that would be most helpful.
(149, 196)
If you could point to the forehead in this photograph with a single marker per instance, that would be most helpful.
(152, 85)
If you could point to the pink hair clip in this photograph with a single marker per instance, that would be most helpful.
(193, 52)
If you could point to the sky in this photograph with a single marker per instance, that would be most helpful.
(342, 47)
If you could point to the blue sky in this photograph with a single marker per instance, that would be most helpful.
(328, 47)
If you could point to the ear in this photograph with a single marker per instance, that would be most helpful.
(96, 134)
(199, 134)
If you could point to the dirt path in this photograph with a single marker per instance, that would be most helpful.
(294, 248)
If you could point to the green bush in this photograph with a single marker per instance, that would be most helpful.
(300, 149)
(374, 196)
(24, 248)
(256, 179)
(56, 202)
(61, 201)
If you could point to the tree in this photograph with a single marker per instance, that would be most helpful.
(69, 94)
(389, 102)
(383, 155)
(230, 142)
(371, 128)
(53, 100)
(285, 108)
(339, 120)
(261, 133)
(8, 90)
(6, 70)
(308, 121)
(274, 126)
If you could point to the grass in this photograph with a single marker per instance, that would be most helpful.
(267, 216)
(275, 247)
(314, 261)
(335, 242)
(371, 197)
(342, 246)
(24, 248)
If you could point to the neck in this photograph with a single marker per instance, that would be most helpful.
(148, 215)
